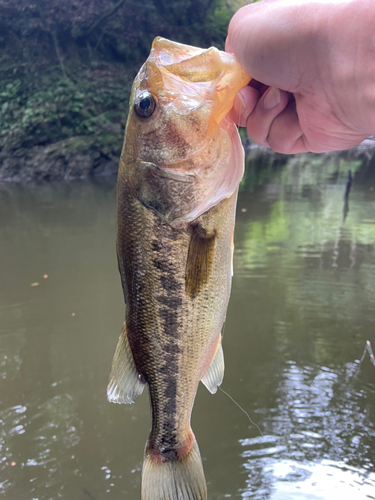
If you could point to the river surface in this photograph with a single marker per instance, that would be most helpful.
(301, 310)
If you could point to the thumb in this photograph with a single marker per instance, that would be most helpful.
(270, 40)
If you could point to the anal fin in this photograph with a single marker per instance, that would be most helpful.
(215, 373)
(124, 385)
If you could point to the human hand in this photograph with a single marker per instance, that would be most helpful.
(315, 61)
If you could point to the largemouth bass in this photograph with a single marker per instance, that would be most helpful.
(180, 168)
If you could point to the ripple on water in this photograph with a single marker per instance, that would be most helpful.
(54, 428)
(327, 480)
(320, 447)
(13, 421)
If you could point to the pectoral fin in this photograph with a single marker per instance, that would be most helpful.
(199, 260)
(124, 385)
(215, 374)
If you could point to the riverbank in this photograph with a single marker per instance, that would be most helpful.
(81, 157)
(73, 158)
(66, 73)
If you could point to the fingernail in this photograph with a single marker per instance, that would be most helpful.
(272, 98)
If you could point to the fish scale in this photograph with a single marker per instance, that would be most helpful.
(160, 315)
(176, 202)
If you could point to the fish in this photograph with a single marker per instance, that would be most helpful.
(180, 167)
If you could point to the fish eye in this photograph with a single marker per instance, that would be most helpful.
(145, 104)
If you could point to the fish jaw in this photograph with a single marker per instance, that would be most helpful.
(219, 70)
(180, 195)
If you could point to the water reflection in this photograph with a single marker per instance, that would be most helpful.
(320, 426)
(287, 479)
(300, 313)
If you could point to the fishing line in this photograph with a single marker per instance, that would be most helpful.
(245, 412)
(368, 349)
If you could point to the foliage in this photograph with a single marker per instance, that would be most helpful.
(66, 68)
(59, 108)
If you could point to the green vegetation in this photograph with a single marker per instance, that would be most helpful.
(58, 109)
(66, 69)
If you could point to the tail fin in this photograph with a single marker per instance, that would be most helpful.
(178, 479)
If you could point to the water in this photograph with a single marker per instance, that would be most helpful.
(301, 310)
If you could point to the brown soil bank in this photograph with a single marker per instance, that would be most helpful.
(88, 156)
(73, 158)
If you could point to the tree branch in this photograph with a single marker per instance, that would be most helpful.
(104, 16)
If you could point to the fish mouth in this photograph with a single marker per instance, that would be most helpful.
(204, 72)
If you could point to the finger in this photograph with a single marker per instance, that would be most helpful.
(246, 35)
(228, 47)
(258, 86)
(244, 103)
(285, 134)
(271, 104)
(273, 42)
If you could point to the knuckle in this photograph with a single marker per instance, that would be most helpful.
(256, 133)
(280, 146)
